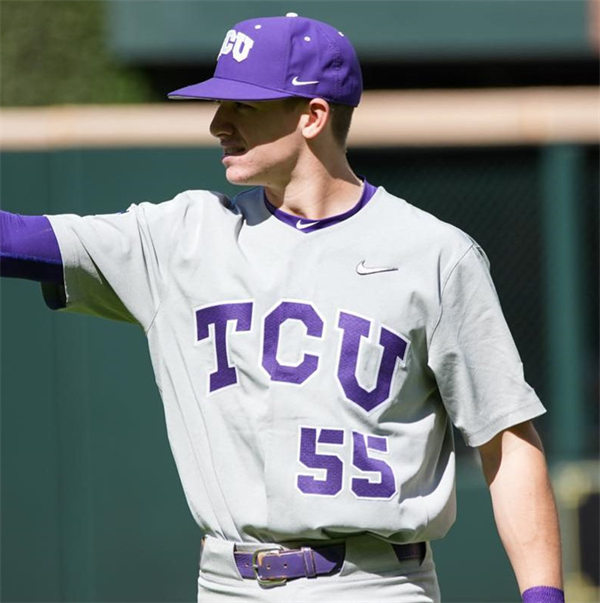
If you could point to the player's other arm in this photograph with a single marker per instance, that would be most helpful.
(515, 469)
(29, 249)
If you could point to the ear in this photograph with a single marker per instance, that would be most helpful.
(316, 117)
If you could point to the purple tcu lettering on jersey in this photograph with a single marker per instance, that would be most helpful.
(394, 348)
(219, 316)
(288, 310)
(331, 484)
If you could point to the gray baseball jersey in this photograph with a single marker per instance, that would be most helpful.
(309, 376)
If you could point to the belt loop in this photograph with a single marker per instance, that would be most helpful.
(309, 562)
(416, 550)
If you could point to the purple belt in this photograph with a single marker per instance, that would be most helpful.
(272, 567)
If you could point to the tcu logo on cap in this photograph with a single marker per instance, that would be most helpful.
(238, 43)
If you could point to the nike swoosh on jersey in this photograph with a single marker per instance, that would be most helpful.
(362, 269)
(297, 82)
(303, 225)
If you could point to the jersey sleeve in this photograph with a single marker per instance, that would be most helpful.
(114, 264)
(474, 358)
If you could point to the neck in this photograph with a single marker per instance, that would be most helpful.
(317, 189)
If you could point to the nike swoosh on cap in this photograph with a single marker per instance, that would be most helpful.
(297, 82)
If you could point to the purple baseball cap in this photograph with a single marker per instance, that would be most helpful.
(277, 57)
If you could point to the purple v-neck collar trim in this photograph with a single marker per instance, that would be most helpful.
(307, 226)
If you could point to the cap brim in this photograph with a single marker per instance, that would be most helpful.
(221, 89)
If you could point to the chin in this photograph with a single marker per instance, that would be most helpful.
(241, 178)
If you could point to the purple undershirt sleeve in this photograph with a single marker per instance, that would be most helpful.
(29, 249)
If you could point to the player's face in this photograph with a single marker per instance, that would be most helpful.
(261, 140)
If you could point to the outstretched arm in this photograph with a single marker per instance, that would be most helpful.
(515, 470)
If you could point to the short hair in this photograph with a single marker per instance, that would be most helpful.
(341, 118)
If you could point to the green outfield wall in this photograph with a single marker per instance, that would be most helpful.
(184, 30)
(92, 508)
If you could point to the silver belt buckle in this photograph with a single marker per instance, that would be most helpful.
(257, 562)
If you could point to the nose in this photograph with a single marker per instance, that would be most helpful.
(221, 122)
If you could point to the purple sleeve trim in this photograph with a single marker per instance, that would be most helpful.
(29, 249)
(543, 594)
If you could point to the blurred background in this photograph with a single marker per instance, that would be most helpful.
(484, 112)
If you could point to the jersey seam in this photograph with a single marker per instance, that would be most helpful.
(153, 319)
(163, 292)
(445, 284)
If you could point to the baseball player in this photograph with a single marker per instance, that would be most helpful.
(313, 339)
